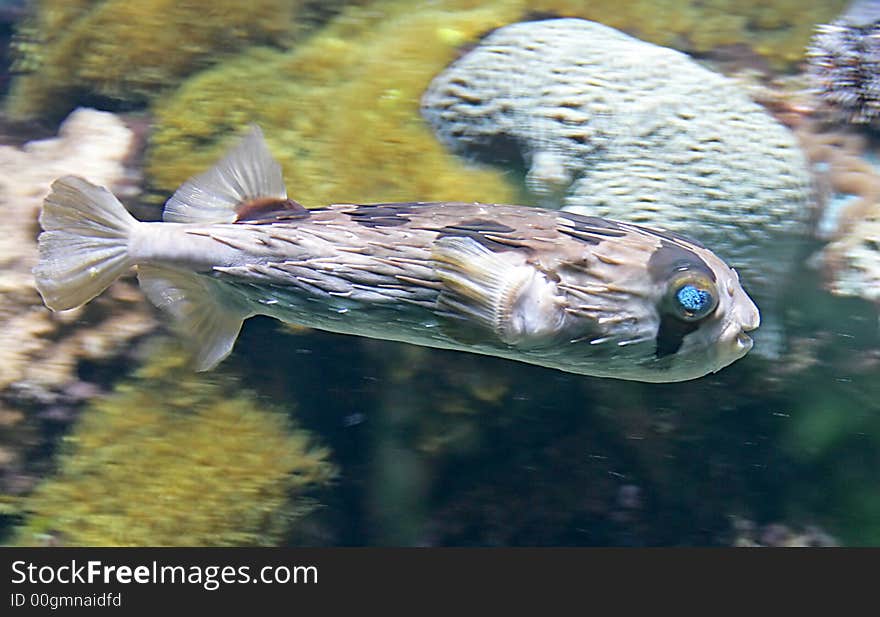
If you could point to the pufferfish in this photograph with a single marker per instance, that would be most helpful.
(576, 293)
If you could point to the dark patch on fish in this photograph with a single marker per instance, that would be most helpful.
(671, 258)
(481, 231)
(583, 237)
(383, 215)
(590, 229)
(594, 224)
(482, 226)
(670, 335)
(269, 210)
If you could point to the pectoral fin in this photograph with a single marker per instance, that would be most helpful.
(500, 292)
(206, 317)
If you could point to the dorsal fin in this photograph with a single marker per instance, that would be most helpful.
(247, 174)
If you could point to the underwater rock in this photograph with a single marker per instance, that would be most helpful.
(172, 458)
(843, 63)
(611, 126)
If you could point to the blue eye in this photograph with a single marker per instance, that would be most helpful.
(694, 301)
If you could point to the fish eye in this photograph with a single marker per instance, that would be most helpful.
(692, 297)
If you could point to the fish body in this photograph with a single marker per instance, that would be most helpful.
(576, 293)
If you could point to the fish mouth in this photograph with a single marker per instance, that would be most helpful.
(736, 343)
(748, 321)
(753, 320)
(743, 342)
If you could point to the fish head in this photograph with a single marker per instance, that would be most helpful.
(702, 313)
(661, 308)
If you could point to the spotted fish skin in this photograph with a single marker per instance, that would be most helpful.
(576, 293)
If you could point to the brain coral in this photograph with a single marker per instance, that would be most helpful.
(612, 126)
(175, 459)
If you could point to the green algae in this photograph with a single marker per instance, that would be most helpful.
(171, 459)
(340, 112)
(777, 31)
(130, 52)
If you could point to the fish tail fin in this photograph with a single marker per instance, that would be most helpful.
(84, 244)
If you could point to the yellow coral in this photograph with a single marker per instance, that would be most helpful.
(172, 458)
(341, 112)
(132, 51)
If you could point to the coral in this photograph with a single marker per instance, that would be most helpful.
(606, 131)
(132, 51)
(39, 350)
(848, 185)
(852, 262)
(846, 182)
(844, 64)
(9, 13)
(786, 97)
(172, 458)
(340, 111)
(42, 353)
